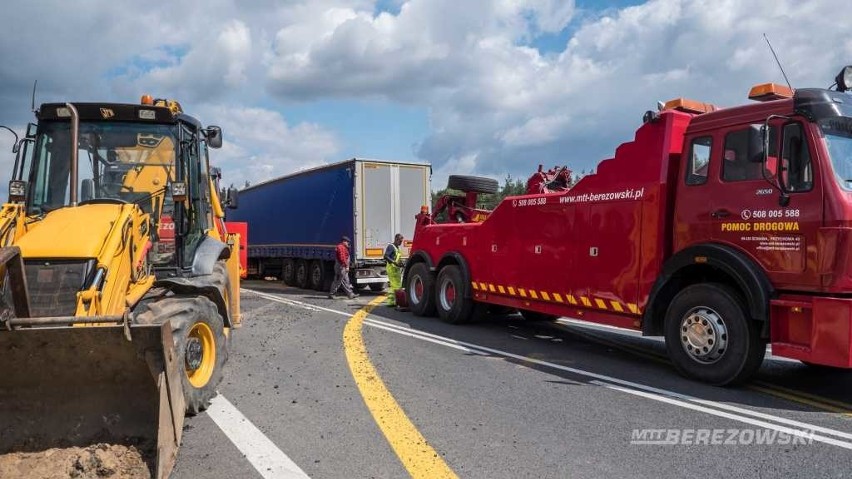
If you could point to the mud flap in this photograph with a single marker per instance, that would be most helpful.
(82, 385)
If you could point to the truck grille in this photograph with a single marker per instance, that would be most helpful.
(53, 286)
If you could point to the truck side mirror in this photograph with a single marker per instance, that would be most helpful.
(783, 197)
(758, 143)
(214, 136)
(233, 198)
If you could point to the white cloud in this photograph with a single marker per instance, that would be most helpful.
(260, 145)
(496, 104)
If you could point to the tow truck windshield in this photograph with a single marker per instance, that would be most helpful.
(837, 132)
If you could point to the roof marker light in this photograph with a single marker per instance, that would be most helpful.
(769, 92)
(689, 106)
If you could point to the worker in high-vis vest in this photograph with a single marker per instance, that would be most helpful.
(393, 259)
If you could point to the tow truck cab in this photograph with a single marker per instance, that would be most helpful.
(764, 192)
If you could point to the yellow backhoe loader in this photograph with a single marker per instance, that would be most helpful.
(119, 285)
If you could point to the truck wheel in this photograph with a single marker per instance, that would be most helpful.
(288, 272)
(450, 299)
(421, 290)
(475, 184)
(709, 336)
(538, 317)
(301, 274)
(316, 276)
(200, 344)
(378, 287)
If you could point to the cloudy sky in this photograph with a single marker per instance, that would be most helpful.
(487, 87)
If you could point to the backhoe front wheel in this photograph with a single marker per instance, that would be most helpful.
(710, 337)
(200, 344)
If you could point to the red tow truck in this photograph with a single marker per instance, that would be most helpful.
(720, 229)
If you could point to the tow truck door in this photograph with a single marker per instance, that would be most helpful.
(746, 210)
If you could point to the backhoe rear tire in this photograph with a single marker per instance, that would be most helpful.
(200, 343)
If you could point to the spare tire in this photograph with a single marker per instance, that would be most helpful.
(476, 184)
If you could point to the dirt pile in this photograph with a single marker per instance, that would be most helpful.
(96, 461)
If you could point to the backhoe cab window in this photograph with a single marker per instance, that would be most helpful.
(837, 132)
(117, 161)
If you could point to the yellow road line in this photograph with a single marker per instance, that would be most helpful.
(418, 457)
(802, 397)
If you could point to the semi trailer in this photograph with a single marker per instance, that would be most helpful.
(297, 220)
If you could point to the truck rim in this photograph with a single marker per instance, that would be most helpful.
(416, 290)
(316, 275)
(448, 294)
(703, 335)
(200, 356)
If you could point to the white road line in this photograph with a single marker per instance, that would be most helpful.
(375, 324)
(630, 387)
(266, 458)
(806, 433)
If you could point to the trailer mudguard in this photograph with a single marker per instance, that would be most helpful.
(714, 260)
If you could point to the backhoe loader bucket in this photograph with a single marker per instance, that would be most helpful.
(65, 384)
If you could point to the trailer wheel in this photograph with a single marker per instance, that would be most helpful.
(302, 274)
(475, 184)
(538, 317)
(316, 276)
(200, 344)
(450, 301)
(288, 272)
(421, 290)
(709, 336)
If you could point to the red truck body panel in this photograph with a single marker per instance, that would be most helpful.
(596, 248)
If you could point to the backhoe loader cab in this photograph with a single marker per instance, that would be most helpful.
(115, 223)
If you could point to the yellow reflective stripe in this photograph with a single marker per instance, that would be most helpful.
(491, 288)
(617, 306)
(475, 286)
(501, 289)
(483, 287)
(633, 308)
(523, 292)
(545, 296)
(533, 294)
(586, 301)
(601, 304)
(557, 298)
(511, 290)
(571, 299)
